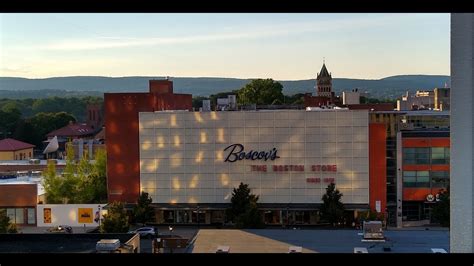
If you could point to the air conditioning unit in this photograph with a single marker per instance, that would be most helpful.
(107, 245)
(222, 249)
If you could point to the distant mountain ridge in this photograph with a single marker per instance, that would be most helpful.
(204, 86)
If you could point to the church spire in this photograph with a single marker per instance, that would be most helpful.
(324, 71)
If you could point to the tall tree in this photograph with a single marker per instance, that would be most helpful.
(80, 183)
(94, 186)
(4, 221)
(52, 185)
(143, 212)
(261, 92)
(70, 189)
(332, 209)
(115, 221)
(441, 209)
(244, 208)
(9, 118)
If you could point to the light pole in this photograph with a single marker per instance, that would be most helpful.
(99, 217)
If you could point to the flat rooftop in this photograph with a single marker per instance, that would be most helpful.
(317, 241)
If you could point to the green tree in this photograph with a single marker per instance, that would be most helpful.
(244, 208)
(4, 221)
(294, 99)
(43, 123)
(9, 118)
(332, 209)
(441, 209)
(115, 221)
(95, 185)
(5, 224)
(197, 102)
(143, 212)
(80, 183)
(70, 188)
(52, 185)
(261, 92)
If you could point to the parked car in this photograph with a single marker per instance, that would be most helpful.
(145, 232)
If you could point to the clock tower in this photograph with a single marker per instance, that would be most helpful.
(324, 82)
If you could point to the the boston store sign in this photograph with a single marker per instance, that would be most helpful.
(237, 153)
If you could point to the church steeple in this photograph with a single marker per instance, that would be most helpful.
(324, 82)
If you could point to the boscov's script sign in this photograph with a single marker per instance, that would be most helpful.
(237, 152)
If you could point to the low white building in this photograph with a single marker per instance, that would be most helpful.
(75, 215)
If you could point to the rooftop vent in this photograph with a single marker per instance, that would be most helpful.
(107, 245)
(223, 249)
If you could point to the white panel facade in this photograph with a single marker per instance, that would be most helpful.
(49, 215)
(462, 127)
(182, 157)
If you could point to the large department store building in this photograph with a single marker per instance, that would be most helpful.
(191, 161)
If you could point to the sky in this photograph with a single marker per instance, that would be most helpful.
(279, 46)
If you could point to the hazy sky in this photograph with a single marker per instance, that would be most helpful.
(278, 46)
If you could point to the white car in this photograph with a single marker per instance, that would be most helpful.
(145, 232)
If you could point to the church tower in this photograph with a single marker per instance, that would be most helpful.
(324, 82)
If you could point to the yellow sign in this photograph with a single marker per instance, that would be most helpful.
(84, 215)
(47, 215)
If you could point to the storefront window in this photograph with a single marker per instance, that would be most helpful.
(181, 217)
(11, 215)
(19, 216)
(168, 216)
(31, 216)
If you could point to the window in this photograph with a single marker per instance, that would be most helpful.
(31, 216)
(440, 179)
(440, 155)
(19, 216)
(416, 156)
(416, 179)
(409, 178)
(11, 214)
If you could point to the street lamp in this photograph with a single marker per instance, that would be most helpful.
(99, 217)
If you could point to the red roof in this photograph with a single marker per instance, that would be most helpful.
(14, 145)
(72, 130)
